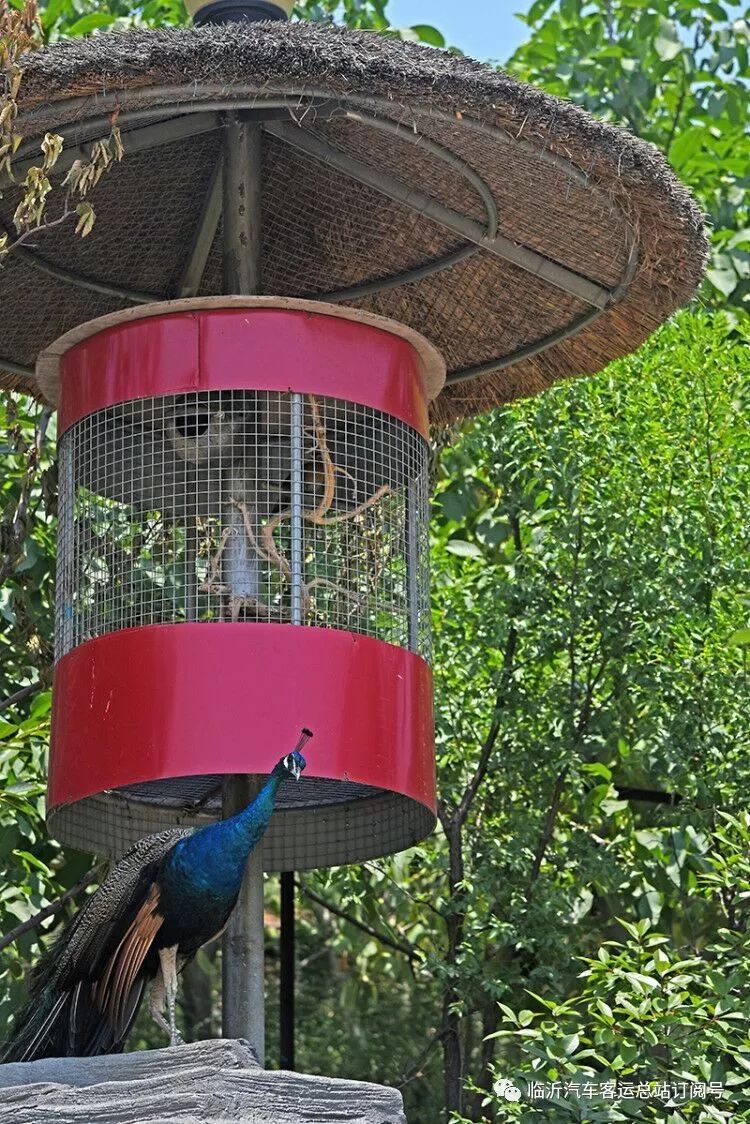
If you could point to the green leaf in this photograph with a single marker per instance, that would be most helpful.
(538, 10)
(463, 549)
(570, 9)
(91, 22)
(41, 705)
(722, 275)
(428, 34)
(740, 638)
(685, 145)
(597, 769)
(667, 40)
(32, 860)
(52, 12)
(739, 238)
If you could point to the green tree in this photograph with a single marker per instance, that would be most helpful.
(67, 18)
(674, 72)
(668, 1016)
(590, 576)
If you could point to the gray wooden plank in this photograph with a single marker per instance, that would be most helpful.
(218, 1080)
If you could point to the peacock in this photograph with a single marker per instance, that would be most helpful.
(169, 895)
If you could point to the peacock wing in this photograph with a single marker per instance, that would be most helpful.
(71, 1010)
(108, 950)
(87, 943)
(117, 991)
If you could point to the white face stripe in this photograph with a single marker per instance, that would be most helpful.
(292, 766)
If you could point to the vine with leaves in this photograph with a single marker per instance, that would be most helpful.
(21, 34)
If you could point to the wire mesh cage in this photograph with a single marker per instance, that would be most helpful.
(241, 509)
(243, 506)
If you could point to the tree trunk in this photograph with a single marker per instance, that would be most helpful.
(452, 1059)
(484, 1081)
(455, 919)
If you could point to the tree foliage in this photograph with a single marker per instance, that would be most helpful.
(676, 73)
(601, 524)
(68, 18)
(665, 1018)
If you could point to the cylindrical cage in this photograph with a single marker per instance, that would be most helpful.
(243, 505)
(242, 551)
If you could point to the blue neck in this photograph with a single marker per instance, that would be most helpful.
(214, 857)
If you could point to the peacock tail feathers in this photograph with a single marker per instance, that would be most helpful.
(171, 893)
(63, 1015)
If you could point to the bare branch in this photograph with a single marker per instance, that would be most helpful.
(415, 1070)
(32, 231)
(423, 903)
(501, 697)
(19, 696)
(549, 823)
(408, 950)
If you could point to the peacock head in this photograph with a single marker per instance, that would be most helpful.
(294, 762)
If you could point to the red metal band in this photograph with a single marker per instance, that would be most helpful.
(243, 348)
(144, 704)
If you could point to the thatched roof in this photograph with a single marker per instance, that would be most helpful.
(385, 163)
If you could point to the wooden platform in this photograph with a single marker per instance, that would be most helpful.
(200, 1083)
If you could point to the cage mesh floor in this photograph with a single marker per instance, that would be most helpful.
(317, 822)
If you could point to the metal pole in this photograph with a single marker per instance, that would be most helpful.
(191, 579)
(412, 562)
(243, 976)
(286, 941)
(286, 989)
(298, 437)
(243, 967)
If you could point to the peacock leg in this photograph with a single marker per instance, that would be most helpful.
(168, 961)
(156, 999)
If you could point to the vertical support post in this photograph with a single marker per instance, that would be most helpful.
(286, 989)
(243, 967)
(68, 546)
(243, 153)
(286, 940)
(242, 962)
(412, 565)
(191, 578)
(297, 450)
